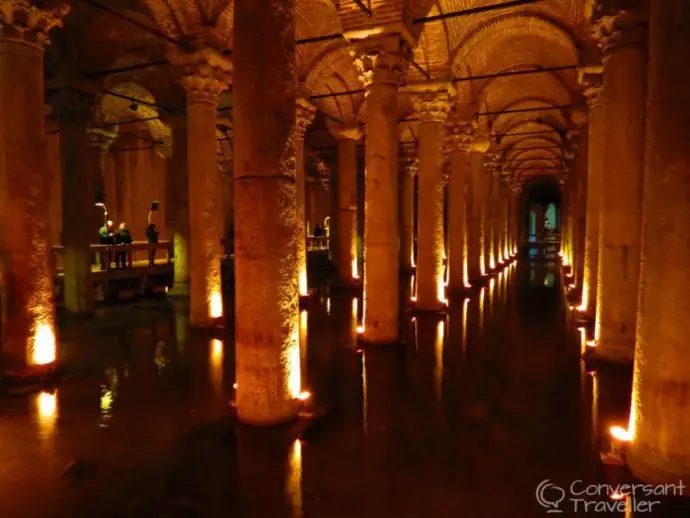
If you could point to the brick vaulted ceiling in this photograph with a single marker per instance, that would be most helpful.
(104, 34)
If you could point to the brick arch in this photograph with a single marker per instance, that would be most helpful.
(114, 109)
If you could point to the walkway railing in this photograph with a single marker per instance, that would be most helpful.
(139, 253)
(317, 244)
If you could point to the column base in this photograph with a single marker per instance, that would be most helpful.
(207, 323)
(436, 308)
(32, 375)
(179, 290)
(618, 355)
(346, 284)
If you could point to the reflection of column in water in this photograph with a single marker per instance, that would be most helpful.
(216, 355)
(413, 288)
(465, 309)
(365, 392)
(595, 411)
(415, 333)
(303, 346)
(181, 329)
(482, 296)
(293, 485)
(492, 289)
(354, 323)
(46, 413)
(108, 395)
(439, 344)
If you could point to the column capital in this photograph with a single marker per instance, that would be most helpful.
(480, 144)
(206, 74)
(101, 138)
(23, 20)
(412, 168)
(592, 81)
(432, 101)
(459, 135)
(345, 131)
(617, 29)
(381, 59)
(304, 114)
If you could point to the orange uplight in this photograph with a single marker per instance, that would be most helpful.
(441, 291)
(360, 330)
(617, 495)
(303, 396)
(44, 349)
(620, 434)
(591, 343)
(355, 268)
(303, 288)
(215, 304)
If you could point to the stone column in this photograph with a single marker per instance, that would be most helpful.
(625, 69)
(579, 224)
(28, 307)
(380, 62)
(432, 107)
(81, 219)
(496, 214)
(660, 450)
(407, 214)
(459, 140)
(596, 150)
(345, 246)
(178, 178)
(477, 193)
(227, 184)
(207, 74)
(304, 114)
(266, 280)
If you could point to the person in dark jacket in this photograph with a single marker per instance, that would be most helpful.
(318, 231)
(122, 237)
(152, 237)
(106, 237)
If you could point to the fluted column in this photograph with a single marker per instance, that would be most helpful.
(207, 74)
(344, 247)
(267, 353)
(28, 307)
(407, 226)
(304, 114)
(176, 165)
(432, 108)
(381, 64)
(596, 149)
(459, 140)
(660, 450)
(477, 189)
(625, 63)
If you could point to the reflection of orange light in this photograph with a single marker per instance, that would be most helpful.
(441, 291)
(47, 410)
(44, 347)
(355, 268)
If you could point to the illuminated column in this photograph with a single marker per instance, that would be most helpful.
(176, 166)
(407, 259)
(267, 350)
(487, 226)
(660, 451)
(496, 212)
(345, 249)
(477, 193)
(625, 68)
(304, 114)
(228, 195)
(579, 223)
(596, 150)
(381, 64)
(207, 75)
(28, 307)
(459, 140)
(432, 108)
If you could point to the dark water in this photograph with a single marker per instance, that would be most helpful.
(466, 418)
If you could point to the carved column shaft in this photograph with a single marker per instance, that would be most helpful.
(381, 64)
(477, 191)
(659, 451)
(433, 108)
(625, 69)
(28, 307)
(407, 216)
(266, 277)
(304, 114)
(208, 74)
(345, 249)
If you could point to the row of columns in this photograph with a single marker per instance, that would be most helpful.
(635, 275)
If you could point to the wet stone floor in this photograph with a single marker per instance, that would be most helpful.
(468, 417)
